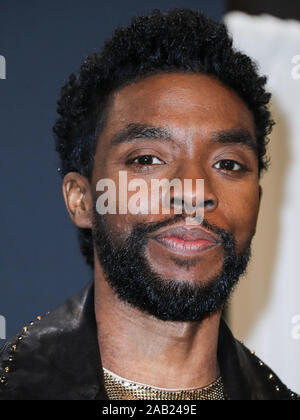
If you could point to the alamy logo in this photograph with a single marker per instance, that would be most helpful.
(296, 68)
(2, 67)
(2, 327)
(154, 200)
(296, 328)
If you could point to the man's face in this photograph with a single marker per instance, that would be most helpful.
(180, 126)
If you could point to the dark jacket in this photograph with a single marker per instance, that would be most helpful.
(57, 358)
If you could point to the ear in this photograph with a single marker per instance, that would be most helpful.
(78, 199)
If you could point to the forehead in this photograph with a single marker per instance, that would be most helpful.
(193, 102)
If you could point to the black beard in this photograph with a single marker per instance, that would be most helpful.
(132, 279)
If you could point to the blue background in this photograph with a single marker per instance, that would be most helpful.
(43, 42)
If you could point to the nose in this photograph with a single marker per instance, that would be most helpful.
(197, 190)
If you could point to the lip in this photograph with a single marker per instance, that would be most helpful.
(186, 240)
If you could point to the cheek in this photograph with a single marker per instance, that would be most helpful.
(241, 212)
(130, 199)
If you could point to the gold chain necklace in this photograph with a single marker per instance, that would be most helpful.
(118, 388)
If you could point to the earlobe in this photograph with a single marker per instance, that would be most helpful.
(77, 196)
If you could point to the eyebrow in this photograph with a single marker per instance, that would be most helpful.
(242, 137)
(133, 132)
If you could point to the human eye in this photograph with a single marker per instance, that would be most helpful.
(229, 165)
(146, 160)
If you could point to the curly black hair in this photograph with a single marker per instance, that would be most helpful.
(181, 40)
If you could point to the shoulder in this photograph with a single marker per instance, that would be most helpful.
(42, 361)
(263, 381)
(22, 358)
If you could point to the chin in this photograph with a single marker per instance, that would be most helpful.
(198, 269)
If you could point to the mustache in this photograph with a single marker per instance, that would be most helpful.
(151, 227)
(138, 237)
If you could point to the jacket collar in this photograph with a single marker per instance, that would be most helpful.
(236, 385)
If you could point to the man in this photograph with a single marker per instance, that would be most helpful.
(167, 99)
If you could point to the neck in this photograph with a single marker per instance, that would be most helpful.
(144, 349)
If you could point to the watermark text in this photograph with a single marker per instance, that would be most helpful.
(2, 327)
(155, 197)
(2, 67)
(296, 69)
(296, 328)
